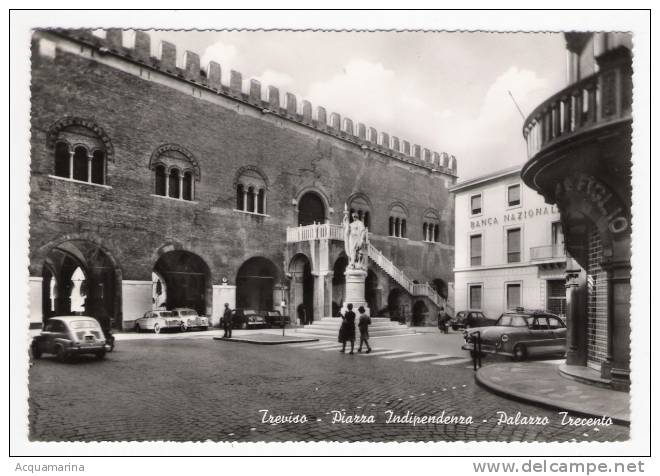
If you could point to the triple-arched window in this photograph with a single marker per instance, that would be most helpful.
(398, 221)
(431, 227)
(251, 188)
(359, 204)
(175, 172)
(80, 151)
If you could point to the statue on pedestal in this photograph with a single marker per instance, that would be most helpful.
(355, 241)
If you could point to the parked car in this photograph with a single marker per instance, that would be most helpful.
(469, 319)
(189, 319)
(276, 319)
(157, 321)
(246, 318)
(521, 334)
(66, 336)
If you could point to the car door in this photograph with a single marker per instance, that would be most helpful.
(59, 331)
(45, 339)
(558, 334)
(542, 337)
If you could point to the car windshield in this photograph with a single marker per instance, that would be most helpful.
(84, 325)
(165, 314)
(188, 313)
(512, 320)
(249, 313)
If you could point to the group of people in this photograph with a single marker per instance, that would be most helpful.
(347, 329)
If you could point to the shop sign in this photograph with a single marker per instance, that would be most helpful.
(596, 192)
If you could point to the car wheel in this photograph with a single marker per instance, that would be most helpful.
(36, 351)
(183, 327)
(137, 328)
(100, 354)
(61, 354)
(156, 328)
(519, 352)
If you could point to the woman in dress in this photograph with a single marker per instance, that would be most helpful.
(347, 329)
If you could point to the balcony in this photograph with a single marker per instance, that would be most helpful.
(548, 254)
(597, 101)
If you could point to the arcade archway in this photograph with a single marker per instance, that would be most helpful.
(396, 305)
(255, 282)
(339, 284)
(372, 293)
(420, 313)
(79, 278)
(302, 289)
(187, 281)
(311, 209)
(440, 285)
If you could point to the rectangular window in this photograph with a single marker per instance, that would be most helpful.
(475, 296)
(475, 250)
(513, 245)
(556, 300)
(475, 204)
(512, 296)
(513, 195)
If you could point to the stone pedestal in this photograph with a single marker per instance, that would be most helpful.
(355, 279)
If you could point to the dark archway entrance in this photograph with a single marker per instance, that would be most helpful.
(187, 280)
(302, 289)
(79, 278)
(396, 305)
(441, 287)
(255, 283)
(338, 284)
(372, 293)
(419, 313)
(310, 209)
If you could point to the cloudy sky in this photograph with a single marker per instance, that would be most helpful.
(444, 91)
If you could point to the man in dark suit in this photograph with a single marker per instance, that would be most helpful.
(227, 321)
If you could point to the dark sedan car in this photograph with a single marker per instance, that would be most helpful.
(246, 318)
(469, 319)
(521, 334)
(66, 336)
(276, 319)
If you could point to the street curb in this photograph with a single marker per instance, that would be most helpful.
(539, 401)
(260, 342)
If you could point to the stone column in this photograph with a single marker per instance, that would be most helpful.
(319, 294)
(36, 301)
(245, 194)
(71, 153)
(89, 166)
(576, 319)
(327, 305)
(180, 186)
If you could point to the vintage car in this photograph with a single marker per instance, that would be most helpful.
(190, 319)
(157, 321)
(246, 318)
(276, 319)
(66, 336)
(468, 319)
(520, 334)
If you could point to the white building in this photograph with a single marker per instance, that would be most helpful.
(509, 247)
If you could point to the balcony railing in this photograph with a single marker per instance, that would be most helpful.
(320, 231)
(548, 252)
(597, 100)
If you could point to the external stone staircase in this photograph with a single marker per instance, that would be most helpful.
(328, 328)
(335, 232)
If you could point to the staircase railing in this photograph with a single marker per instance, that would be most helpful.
(320, 231)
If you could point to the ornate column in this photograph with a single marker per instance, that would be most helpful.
(180, 186)
(617, 365)
(167, 183)
(245, 194)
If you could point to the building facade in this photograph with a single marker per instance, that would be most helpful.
(161, 184)
(579, 146)
(509, 247)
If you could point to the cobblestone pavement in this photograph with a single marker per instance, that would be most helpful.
(201, 389)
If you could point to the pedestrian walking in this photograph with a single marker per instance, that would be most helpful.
(363, 324)
(443, 321)
(347, 329)
(227, 321)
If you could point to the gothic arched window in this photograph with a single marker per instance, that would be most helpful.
(431, 227)
(360, 204)
(175, 172)
(251, 190)
(398, 223)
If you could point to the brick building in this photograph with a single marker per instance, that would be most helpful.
(154, 184)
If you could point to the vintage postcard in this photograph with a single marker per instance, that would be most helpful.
(242, 235)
